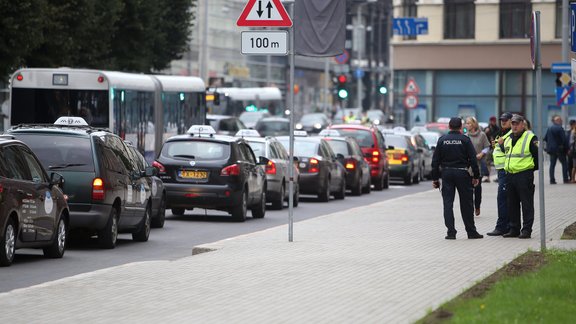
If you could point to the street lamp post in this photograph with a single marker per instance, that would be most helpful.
(360, 42)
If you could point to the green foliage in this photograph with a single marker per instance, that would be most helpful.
(545, 296)
(127, 35)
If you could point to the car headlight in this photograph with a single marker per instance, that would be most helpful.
(317, 126)
(298, 126)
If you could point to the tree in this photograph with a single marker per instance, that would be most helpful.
(21, 25)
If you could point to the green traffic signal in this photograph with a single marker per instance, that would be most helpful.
(383, 90)
(342, 93)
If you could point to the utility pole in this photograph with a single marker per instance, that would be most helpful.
(204, 43)
(565, 48)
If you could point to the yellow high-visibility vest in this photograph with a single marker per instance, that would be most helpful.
(519, 158)
(498, 156)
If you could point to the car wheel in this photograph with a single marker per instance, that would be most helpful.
(158, 221)
(408, 179)
(357, 188)
(58, 247)
(325, 194)
(178, 211)
(387, 182)
(296, 197)
(239, 212)
(109, 235)
(379, 184)
(416, 179)
(368, 187)
(341, 194)
(143, 232)
(8, 244)
(259, 210)
(279, 203)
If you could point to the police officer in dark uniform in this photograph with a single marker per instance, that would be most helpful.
(455, 154)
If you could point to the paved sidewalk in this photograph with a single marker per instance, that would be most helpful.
(383, 263)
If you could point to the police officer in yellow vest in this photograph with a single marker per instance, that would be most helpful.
(521, 149)
(498, 157)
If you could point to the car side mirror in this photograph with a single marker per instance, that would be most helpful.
(56, 179)
(432, 147)
(420, 150)
(262, 160)
(340, 157)
(150, 171)
(296, 159)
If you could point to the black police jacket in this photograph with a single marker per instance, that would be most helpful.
(454, 150)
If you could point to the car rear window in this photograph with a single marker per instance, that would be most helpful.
(339, 147)
(273, 126)
(364, 137)
(67, 153)
(259, 148)
(198, 150)
(301, 148)
(397, 141)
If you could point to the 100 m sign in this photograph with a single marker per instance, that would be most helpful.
(265, 42)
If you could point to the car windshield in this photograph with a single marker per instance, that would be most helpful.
(259, 148)
(301, 148)
(363, 137)
(338, 147)
(431, 138)
(197, 150)
(66, 153)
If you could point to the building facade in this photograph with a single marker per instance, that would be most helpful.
(476, 59)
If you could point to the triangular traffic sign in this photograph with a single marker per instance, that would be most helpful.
(264, 13)
(411, 87)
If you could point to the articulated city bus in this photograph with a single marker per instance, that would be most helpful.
(234, 101)
(144, 109)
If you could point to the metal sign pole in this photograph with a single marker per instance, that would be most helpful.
(538, 84)
(292, 110)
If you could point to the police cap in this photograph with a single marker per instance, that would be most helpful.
(517, 118)
(505, 116)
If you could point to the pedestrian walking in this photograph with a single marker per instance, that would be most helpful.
(455, 155)
(555, 147)
(572, 151)
(498, 156)
(481, 147)
(521, 161)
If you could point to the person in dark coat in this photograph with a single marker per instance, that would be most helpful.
(555, 139)
(455, 155)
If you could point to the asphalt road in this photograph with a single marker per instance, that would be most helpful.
(176, 240)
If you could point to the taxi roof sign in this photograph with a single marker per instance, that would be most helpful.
(273, 14)
(201, 130)
(247, 133)
(70, 121)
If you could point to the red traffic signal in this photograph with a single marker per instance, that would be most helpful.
(342, 78)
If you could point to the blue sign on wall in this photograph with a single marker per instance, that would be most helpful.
(410, 26)
(573, 25)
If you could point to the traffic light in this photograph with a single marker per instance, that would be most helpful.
(382, 89)
(342, 90)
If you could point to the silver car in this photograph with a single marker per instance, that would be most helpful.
(277, 170)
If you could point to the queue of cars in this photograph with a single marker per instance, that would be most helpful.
(68, 176)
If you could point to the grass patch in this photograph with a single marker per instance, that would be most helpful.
(534, 288)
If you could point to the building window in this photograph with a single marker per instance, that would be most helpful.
(459, 19)
(558, 33)
(515, 18)
(409, 9)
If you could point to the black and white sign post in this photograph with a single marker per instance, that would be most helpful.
(537, 65)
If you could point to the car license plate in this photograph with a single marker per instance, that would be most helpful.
(188, 174)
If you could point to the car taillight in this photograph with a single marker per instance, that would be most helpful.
(159, 166)
(231, 170)
(375, 157)
(313, 166)
(1, 188)
(98, 192)
(350, 165)
(271, 167)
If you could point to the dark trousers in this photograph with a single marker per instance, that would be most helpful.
(562, 158)
(520, 191)
(452, 180)
(478, 195)
(503, 223)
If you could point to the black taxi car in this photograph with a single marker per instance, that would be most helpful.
(33, 209)
(320, 172)
(107, 194)
(203, 170)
